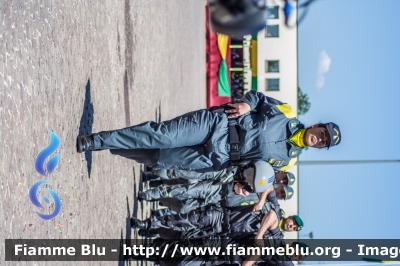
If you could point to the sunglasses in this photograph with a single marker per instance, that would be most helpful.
(247, 187)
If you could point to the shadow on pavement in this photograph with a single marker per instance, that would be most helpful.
(135, 191)
(86, 124)
(137, 186)
(127, 240)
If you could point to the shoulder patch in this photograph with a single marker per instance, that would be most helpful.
(290, 164)
(278, 163)
(286, 110)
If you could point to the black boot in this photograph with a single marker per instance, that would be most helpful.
(84, 143)
(147, 176)
(147, 168)
(155, 183)
(142, 196)
(160, 212)
(148, 233)
(136, 223)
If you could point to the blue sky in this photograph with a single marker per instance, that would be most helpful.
(359, 41)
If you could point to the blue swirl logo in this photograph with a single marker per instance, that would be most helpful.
(35, 200)
(45, 153)
(51, 165)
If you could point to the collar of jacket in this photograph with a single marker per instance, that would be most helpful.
(293, 125)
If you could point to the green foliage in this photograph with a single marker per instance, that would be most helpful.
(303, 104)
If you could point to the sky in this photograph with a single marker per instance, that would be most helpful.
(349, 61)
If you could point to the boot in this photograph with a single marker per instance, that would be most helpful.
(84, 143)
(160, 212)
(136, 223)
(155, 183)
(147, 176)
(142, 196)
(148, 233)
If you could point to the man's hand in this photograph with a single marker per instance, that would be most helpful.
(258, 206)
(259, 242)
(239, 109)
(250, 260)
(239, 190)
(262, 199)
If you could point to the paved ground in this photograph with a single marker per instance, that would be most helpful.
(80, 67)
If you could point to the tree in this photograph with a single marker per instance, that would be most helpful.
(303, 105)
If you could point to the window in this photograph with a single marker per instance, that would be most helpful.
(273, 12)
(272, 31)
(272, 84)
(271, 66)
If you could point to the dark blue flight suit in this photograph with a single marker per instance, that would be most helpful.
(224, 175)
(197, 194)
(209, 220)
(179, 259)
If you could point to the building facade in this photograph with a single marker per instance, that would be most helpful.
(277, 75)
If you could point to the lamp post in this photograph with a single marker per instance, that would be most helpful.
(310, 235)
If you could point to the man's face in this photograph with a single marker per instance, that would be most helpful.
(281, 178)
(290, 225)
(317, 137)
(240, 190)
(280, 193)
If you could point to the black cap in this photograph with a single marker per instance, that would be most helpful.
(334, 133)
(238, 18)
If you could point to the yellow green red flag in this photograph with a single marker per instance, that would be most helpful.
(223, 45)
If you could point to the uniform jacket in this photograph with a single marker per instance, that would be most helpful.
(265, 131)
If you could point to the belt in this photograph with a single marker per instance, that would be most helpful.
(226, 216)
(234, 142)
(223, 193)
(226, 221)
(234, 139)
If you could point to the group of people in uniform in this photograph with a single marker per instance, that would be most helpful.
(220, 172)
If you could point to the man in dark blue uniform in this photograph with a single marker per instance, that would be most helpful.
(165, 176)
(236, 200)
(214, 139)
(193, 195)
(213, 220)
(223, 244)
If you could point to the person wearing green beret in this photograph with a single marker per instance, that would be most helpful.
(291, 223)
(274, 224)
(298, 222)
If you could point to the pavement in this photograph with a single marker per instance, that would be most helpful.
(77, 67)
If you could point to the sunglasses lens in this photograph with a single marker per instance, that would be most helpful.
(248, 173)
